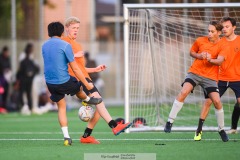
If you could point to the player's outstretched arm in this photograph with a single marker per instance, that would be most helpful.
(99, 68)
(80, 75)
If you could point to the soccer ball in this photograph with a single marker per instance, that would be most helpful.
(85, 113)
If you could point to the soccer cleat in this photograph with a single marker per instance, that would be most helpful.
(168, 127)
(67, 142)
(232, 131)
(223, 135)
(93, 101)
(89, 140)
(120, 128)
(198, 136)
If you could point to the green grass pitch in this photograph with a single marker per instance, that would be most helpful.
(39, 138)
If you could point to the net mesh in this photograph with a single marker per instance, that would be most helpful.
(159, 44)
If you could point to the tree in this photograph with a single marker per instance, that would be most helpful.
(27, 18)
(5, 19)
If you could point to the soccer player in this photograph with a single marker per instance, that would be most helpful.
(57, 54)
(209, 52)
(72, 27)
(229, 76)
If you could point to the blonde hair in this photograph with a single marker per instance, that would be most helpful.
(71, 20)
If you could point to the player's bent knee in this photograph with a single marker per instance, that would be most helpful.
(217, 103)
(208, 102)
(184, 93)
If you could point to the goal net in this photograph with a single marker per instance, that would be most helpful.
(157, 40)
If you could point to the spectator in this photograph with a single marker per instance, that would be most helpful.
(2, 110)
(37, 88)
(5, 74)
(12, 105)
(25, 76)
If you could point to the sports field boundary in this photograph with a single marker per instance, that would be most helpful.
(46, 139)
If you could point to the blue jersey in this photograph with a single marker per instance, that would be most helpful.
(56, 56)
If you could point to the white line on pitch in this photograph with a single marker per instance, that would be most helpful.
(36, 133)
(23, 133)
(112, 139)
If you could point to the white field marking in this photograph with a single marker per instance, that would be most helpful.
(33, 119)
(36, 133)
(14, 139)
(24, 133)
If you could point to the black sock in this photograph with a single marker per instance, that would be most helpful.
(87, 132)
(200, 124)
(235, 116)
(112, 124)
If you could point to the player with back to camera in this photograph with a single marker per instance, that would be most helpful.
(72, 27)
(209, 52)
(229, 76)
(57, 54)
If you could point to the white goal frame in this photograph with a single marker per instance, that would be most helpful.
(126, 8)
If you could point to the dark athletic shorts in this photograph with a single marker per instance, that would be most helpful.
(58, 91)
(224, 85)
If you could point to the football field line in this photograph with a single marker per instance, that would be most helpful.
(129, 139)
(40, 133)
(103, 139)
(103, 133)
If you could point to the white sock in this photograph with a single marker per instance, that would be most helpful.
(65, 132)
(176, 107)
(220, 118)
(87, 99)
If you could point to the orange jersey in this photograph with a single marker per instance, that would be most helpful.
(80, 60)
(230, 69)
(203, 67)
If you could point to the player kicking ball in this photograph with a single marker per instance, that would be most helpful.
(72, 25)
(57, 54)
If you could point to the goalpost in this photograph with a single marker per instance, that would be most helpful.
(157, 40)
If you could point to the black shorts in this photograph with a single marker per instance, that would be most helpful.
(224, 85)
(88, 92)
(58, 91)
